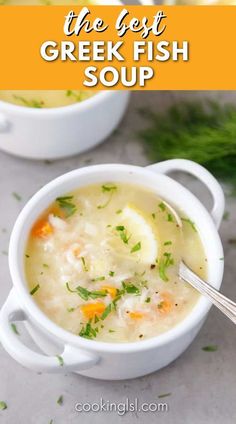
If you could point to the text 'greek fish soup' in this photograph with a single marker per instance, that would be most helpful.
(39, 99)
(102, 262)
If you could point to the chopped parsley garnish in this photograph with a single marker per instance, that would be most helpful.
(130, 288)
(164, 264)
(108, 310)
(60, 360)
(68, 207)
(136, 247)
(167, 243)
(38, 104)
(123, 233)
(119, 211)
(35, 289)
(87, 331)
(111, 273)
(210, 348)
(70, 309)
(14, 328)
(96, 319)
(162, 206)
(17, 196)
(45, 265)
(3, 405)
(86, 294)
(102, 278)
(164, 395)
(191, 223)
(71, 93)
(170, 218)
(27, 256)
(153, 215)
(148, 300)
(126, 288)
(60, 400)
(106, 188)
(84, 264)
(111, 331)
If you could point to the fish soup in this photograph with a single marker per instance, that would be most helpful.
(102, 263)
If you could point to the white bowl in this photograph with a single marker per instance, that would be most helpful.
(63, 131)
(94, 358)
(60, 132)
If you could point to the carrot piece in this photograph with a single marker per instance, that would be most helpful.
(165, 306)
(112, 291)
(77, 252)
(136, 315)
(42, 229)
(92, 309)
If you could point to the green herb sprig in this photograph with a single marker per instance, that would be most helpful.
(202, 132)
(165, 262)
(136, 247)
(85, 294)
(68, 207)
(3, 405)
(87, 331)
(37, 104)
(110, 189)
(191, 223)
(210, 348)
(123, 233)
(35, 289)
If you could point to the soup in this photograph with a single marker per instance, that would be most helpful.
(102, 262)
(44, 99)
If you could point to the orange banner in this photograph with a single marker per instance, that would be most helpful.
(151, 48)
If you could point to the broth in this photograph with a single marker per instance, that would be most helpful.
(101, 262)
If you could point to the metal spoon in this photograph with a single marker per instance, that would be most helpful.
(227, 306)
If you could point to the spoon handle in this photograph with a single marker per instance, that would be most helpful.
(227, 306)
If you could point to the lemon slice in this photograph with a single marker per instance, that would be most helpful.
(140, 241)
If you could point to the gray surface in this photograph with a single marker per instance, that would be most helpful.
(202, 385)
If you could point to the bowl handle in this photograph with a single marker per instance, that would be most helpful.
(200, 173)
(71, 359)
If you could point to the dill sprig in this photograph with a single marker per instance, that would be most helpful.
(205, 133)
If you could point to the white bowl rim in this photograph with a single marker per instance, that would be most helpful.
(194, 318)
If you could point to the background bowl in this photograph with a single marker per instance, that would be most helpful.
(63, 131)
